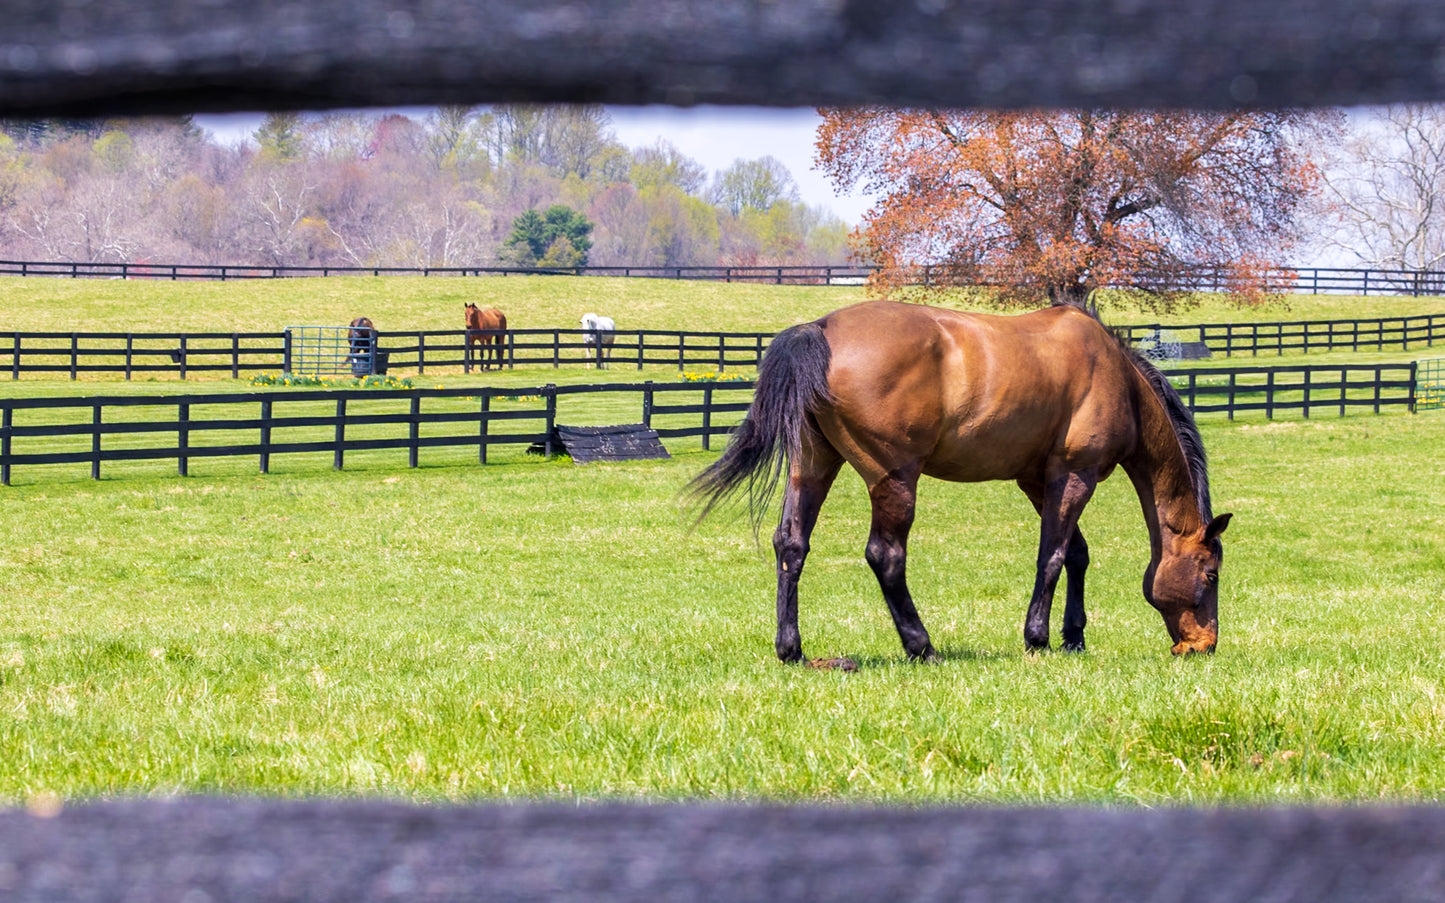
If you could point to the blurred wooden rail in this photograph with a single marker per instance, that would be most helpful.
(256, 851)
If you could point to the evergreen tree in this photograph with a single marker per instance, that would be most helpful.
(534, 236)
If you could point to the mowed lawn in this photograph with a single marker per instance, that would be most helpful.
(545, 630)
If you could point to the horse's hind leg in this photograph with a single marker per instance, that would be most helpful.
(893, 500)
(808, 485)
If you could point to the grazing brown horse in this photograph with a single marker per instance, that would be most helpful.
(1050, 400)
(489, 327)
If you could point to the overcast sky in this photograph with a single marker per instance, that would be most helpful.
(713, 136)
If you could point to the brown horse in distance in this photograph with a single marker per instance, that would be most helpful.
(489, 328)
(1050, 400)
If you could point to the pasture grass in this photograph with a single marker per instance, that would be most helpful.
(538, 302)
(543, 630)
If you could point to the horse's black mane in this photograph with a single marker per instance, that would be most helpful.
(1190, 442)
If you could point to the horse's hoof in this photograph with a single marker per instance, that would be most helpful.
(833, 664)
(1073, 647)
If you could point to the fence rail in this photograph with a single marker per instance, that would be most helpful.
(261, 425)
(239, 354)
(1291, 280)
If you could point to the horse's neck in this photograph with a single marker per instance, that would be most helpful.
(1160, 472)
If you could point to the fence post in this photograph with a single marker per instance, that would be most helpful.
(183, 438)
(1307, 392)
(1414, 385)
(722, 354)
(1269, 395)
(7, 424)
(485, 428)
(339, 458)
(639, 349)
(647, 405)
(420, 353)
(414, 428)
(235, 355)
(15, 365)
(550, 390)
(266, 436)
(74, 354)
(95, 442)
(707, 418)
(286, 352)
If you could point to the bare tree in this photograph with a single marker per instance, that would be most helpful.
(274, 205)
(1385, 189)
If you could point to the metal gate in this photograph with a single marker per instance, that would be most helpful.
(1430, 384)
(330, 350)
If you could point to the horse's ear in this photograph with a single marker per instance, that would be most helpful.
(1216, 527)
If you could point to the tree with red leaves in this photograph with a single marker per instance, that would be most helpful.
(1042, 204)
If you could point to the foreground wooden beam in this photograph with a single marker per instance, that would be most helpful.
(256, 850)
(137, 56)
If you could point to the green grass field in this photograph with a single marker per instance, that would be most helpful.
(538, 629)
(530, 302)
(548, 630)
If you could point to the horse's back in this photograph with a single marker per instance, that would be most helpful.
(974, 396)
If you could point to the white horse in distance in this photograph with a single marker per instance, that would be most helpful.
(601, 331)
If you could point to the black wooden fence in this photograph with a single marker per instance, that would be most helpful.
(1308, 390)
(1299, 336)
(1291, 280)
(241, 354)
(840, 274)
(99, 429)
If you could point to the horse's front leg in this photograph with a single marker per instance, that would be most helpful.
(801, 502)
(1062, 502)
(893, 501)
(1076, 562)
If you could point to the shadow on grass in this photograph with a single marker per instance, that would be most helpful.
(945, 657)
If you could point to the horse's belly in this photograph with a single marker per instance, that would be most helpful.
(985, 457)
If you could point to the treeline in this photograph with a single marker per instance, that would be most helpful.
(446, 188)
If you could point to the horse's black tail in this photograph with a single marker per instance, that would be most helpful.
(792, 382)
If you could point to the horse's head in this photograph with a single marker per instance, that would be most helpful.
(1183, 585)
(473, 316)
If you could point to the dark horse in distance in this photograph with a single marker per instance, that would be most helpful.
(361, 348)
(487, 326)
(1050, 400)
